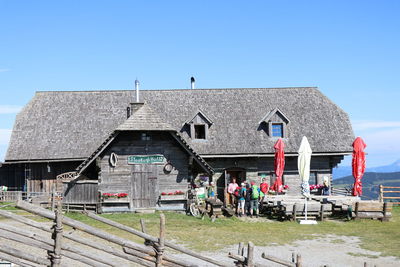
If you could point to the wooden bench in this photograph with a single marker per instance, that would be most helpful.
(373, 210)
(296, 210)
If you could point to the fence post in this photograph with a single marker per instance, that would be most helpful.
(380, 193)
(241, 249)
(298, 261)
(57, 236)
(250, 254)
(161, 240)
(143, 227)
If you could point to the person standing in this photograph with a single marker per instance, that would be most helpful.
(264, 188)
(326, 190)
(247, 198)
(241, 199)
(211, 190)
(231, 190)
(255, 198)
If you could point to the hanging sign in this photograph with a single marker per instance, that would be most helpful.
(146, 159)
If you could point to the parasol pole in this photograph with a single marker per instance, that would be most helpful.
(305, 207)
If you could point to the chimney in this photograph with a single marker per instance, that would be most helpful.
(192, 81)
(135, 105)
(137, 90)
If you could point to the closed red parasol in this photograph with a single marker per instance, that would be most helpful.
(279, 165)
(358, 165)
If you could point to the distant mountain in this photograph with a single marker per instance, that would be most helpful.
(370, 182)
(343, 171)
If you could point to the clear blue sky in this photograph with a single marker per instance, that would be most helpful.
(349, 49)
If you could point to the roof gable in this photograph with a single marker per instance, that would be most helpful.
(144, 119)
(200, 116)
(270, 116)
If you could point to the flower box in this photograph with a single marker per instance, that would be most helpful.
(172, 197)
(116, 200)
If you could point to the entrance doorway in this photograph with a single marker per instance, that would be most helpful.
(235, 172)
(144, 185)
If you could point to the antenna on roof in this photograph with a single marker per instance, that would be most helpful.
(137, 90)
(192, 81)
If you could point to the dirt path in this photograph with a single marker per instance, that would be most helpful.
(329, 250)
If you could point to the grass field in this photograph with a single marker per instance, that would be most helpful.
(204, 235)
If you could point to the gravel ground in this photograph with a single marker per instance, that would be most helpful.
(327, 250)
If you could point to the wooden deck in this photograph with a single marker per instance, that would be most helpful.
(285, 207)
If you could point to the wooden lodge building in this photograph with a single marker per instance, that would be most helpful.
(100, 142)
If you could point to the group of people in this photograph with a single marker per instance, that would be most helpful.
(247, 197)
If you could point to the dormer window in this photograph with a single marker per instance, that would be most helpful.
(277, 129)
(199, 131)
(198, 126)
(275, 123)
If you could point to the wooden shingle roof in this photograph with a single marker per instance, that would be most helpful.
(145, 119)
(72, 124)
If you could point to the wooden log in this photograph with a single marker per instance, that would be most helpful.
(17, 261)
(239, 258)
(161, 241)
(372, 215)
(386, 207)
(80, 240)
(277, 260)
(241, 249)
(24, 255)
(154, 239)
(57, 236)
(96, 232)
(33, 239)
(322, 212)
(356, 210)
(143, 227)
(298, 261)
(380, 193)
(250, 254)
(139, 254)
(370, 206)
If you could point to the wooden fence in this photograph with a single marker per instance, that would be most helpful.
(341, 191)
(248, 260)
(152, 253)
(393, 191)
(14, 196)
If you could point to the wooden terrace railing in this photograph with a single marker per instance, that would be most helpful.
(390, 191)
